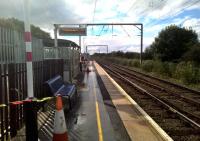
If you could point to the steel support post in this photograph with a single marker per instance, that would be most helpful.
(141, 49)
(30, 113)
(27, 38)
(56, 40)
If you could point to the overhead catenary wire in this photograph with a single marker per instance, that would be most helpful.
(130, 7)
(95, 4)
(101, 30)
(94, 11)
(177, 12)
(106, 30)
(187, 6)
(125, 31)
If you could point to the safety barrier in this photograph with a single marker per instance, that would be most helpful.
(27, 108)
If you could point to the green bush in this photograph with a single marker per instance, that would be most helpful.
(163, 68)
(124, 62)
(172, 69)
(147, 65)
(129, 62)
(115, 60)
(135, 63)
(158, 67)
(111, 59)
(187, 73)
(193, 54)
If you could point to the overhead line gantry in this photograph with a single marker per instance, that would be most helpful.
(139, 26)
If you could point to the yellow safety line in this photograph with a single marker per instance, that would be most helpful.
(98, 115)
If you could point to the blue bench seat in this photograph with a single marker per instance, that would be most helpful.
(66, 90)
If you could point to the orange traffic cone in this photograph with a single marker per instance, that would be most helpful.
(60, 130)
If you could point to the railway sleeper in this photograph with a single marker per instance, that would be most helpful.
(161, 80)
(191, 100)
(183, 132)
(194, 116)
(186, 128)
(178, 93)
(157, 114)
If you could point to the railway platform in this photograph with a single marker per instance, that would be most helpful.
(99, 116)
(90, 120)
(104, 112)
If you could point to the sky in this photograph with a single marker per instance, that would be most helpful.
(153, 14)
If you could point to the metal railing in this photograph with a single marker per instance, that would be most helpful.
(13, 78)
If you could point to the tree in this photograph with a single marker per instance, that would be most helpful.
(18, 25)
(148, 53)
(193, 54)
(172, 42)
(128, 55)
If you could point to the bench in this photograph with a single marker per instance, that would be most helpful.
(66, 90)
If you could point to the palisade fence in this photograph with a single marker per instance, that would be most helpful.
(13, 79)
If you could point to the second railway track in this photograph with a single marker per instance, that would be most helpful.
(176, 112)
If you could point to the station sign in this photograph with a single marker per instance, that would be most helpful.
(72, 31)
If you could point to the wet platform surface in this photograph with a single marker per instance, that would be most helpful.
(92, 120)
(105, 114)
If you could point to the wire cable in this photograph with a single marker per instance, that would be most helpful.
(125, 31)
(95, 4)
(101, 30)
(178, 12)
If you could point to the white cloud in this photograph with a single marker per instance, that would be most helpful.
(194, 24)
(114, 43)
(46, 13)
(169, 8)
(50, 11)
(191, 22)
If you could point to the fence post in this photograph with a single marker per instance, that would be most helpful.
(13, 120)
(30, 110)
(28, 41)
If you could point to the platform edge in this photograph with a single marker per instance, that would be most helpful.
(151, 122)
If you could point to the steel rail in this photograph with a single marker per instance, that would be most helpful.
(154, 97)
(162, 80)
(192, 101)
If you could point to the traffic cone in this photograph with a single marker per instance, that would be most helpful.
(60, 130)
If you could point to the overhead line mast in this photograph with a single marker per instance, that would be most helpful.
(137, 25)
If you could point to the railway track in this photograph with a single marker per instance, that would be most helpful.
(184, 100)
(163, 83)
(176, 112)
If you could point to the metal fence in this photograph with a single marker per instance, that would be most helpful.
(70, 57)
(13, 85)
